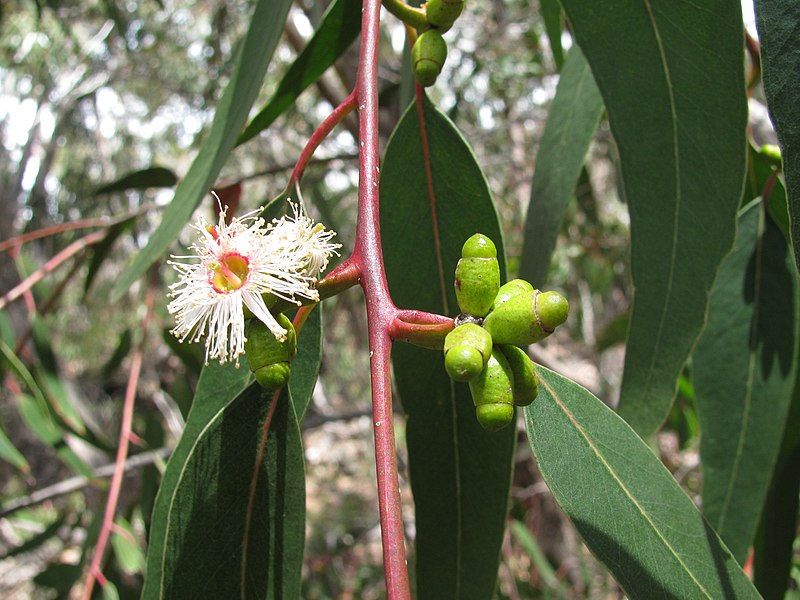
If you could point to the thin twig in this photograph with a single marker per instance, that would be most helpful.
(73, 484)
(126, 429)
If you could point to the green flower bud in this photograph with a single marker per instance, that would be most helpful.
(492, 393)
(269, 358)
(510, 289)
(526, 384)
(443, 13)
(428, 56)
(527, 318)
(466, 351)
(477, 276)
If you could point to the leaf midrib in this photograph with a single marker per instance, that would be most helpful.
(623, 487)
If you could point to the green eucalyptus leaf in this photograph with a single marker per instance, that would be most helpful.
(206, 540)
(773, 548)
(744, 370)
(305, 366)
(254, 57)
(460, 474)
(160, 177)
(778, 22)
(340, 25)
(10, 454)
(628, 508)
(553, 17)
(573, 119)
(672, 79)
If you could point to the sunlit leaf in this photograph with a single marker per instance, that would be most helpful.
(460, 474)
(628, 508)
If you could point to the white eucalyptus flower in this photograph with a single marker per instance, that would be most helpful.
(238, 263)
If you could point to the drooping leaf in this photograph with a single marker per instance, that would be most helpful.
(778, 22)
(773, 548)
(140, 180)
(744, 369)
(628, 508)
(305, 366)
(672, 79)
(101, 251)
(552, 16)
(460, 474)
(340, 25)
(573, 119)
(206, 539)
(256, 51)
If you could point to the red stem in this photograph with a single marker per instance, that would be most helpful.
(321, 132)
(50, 265)
(368, 255)
(126, 430)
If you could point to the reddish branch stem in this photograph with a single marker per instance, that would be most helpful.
(126, 431)
(50, 265)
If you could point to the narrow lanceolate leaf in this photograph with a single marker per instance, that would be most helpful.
(573, 119)
(10, 454)
(209, 538)
(672, 81)
(773, 554)
(140, 180)
(460, 474)
(744, 371)
(552, 16)
(778, 22)
(627, 507)
(251, 64)
(339, 27)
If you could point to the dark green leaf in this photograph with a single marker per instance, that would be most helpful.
(744, 371)
(258, 45)
(551, 14)
(573, 119)
(204, 540)
(630, 511)
(460, 474)
(778, 22)
(140, 180)
(772, 560)
(672, 79)
(305, 366)
(339, 27)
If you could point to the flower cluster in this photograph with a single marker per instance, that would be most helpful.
(238, 264)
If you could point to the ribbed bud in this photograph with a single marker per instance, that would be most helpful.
(477, 276)
(269, 358)
(527, 318)
(428, 56)
(493, 393)
(466, 351)
(526, 384)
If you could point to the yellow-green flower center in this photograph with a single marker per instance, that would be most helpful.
(228, 274)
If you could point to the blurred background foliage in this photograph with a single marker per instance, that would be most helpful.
(92, 91)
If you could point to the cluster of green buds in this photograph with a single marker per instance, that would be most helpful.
(430, 50)
(485, 348)
(267, 356)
